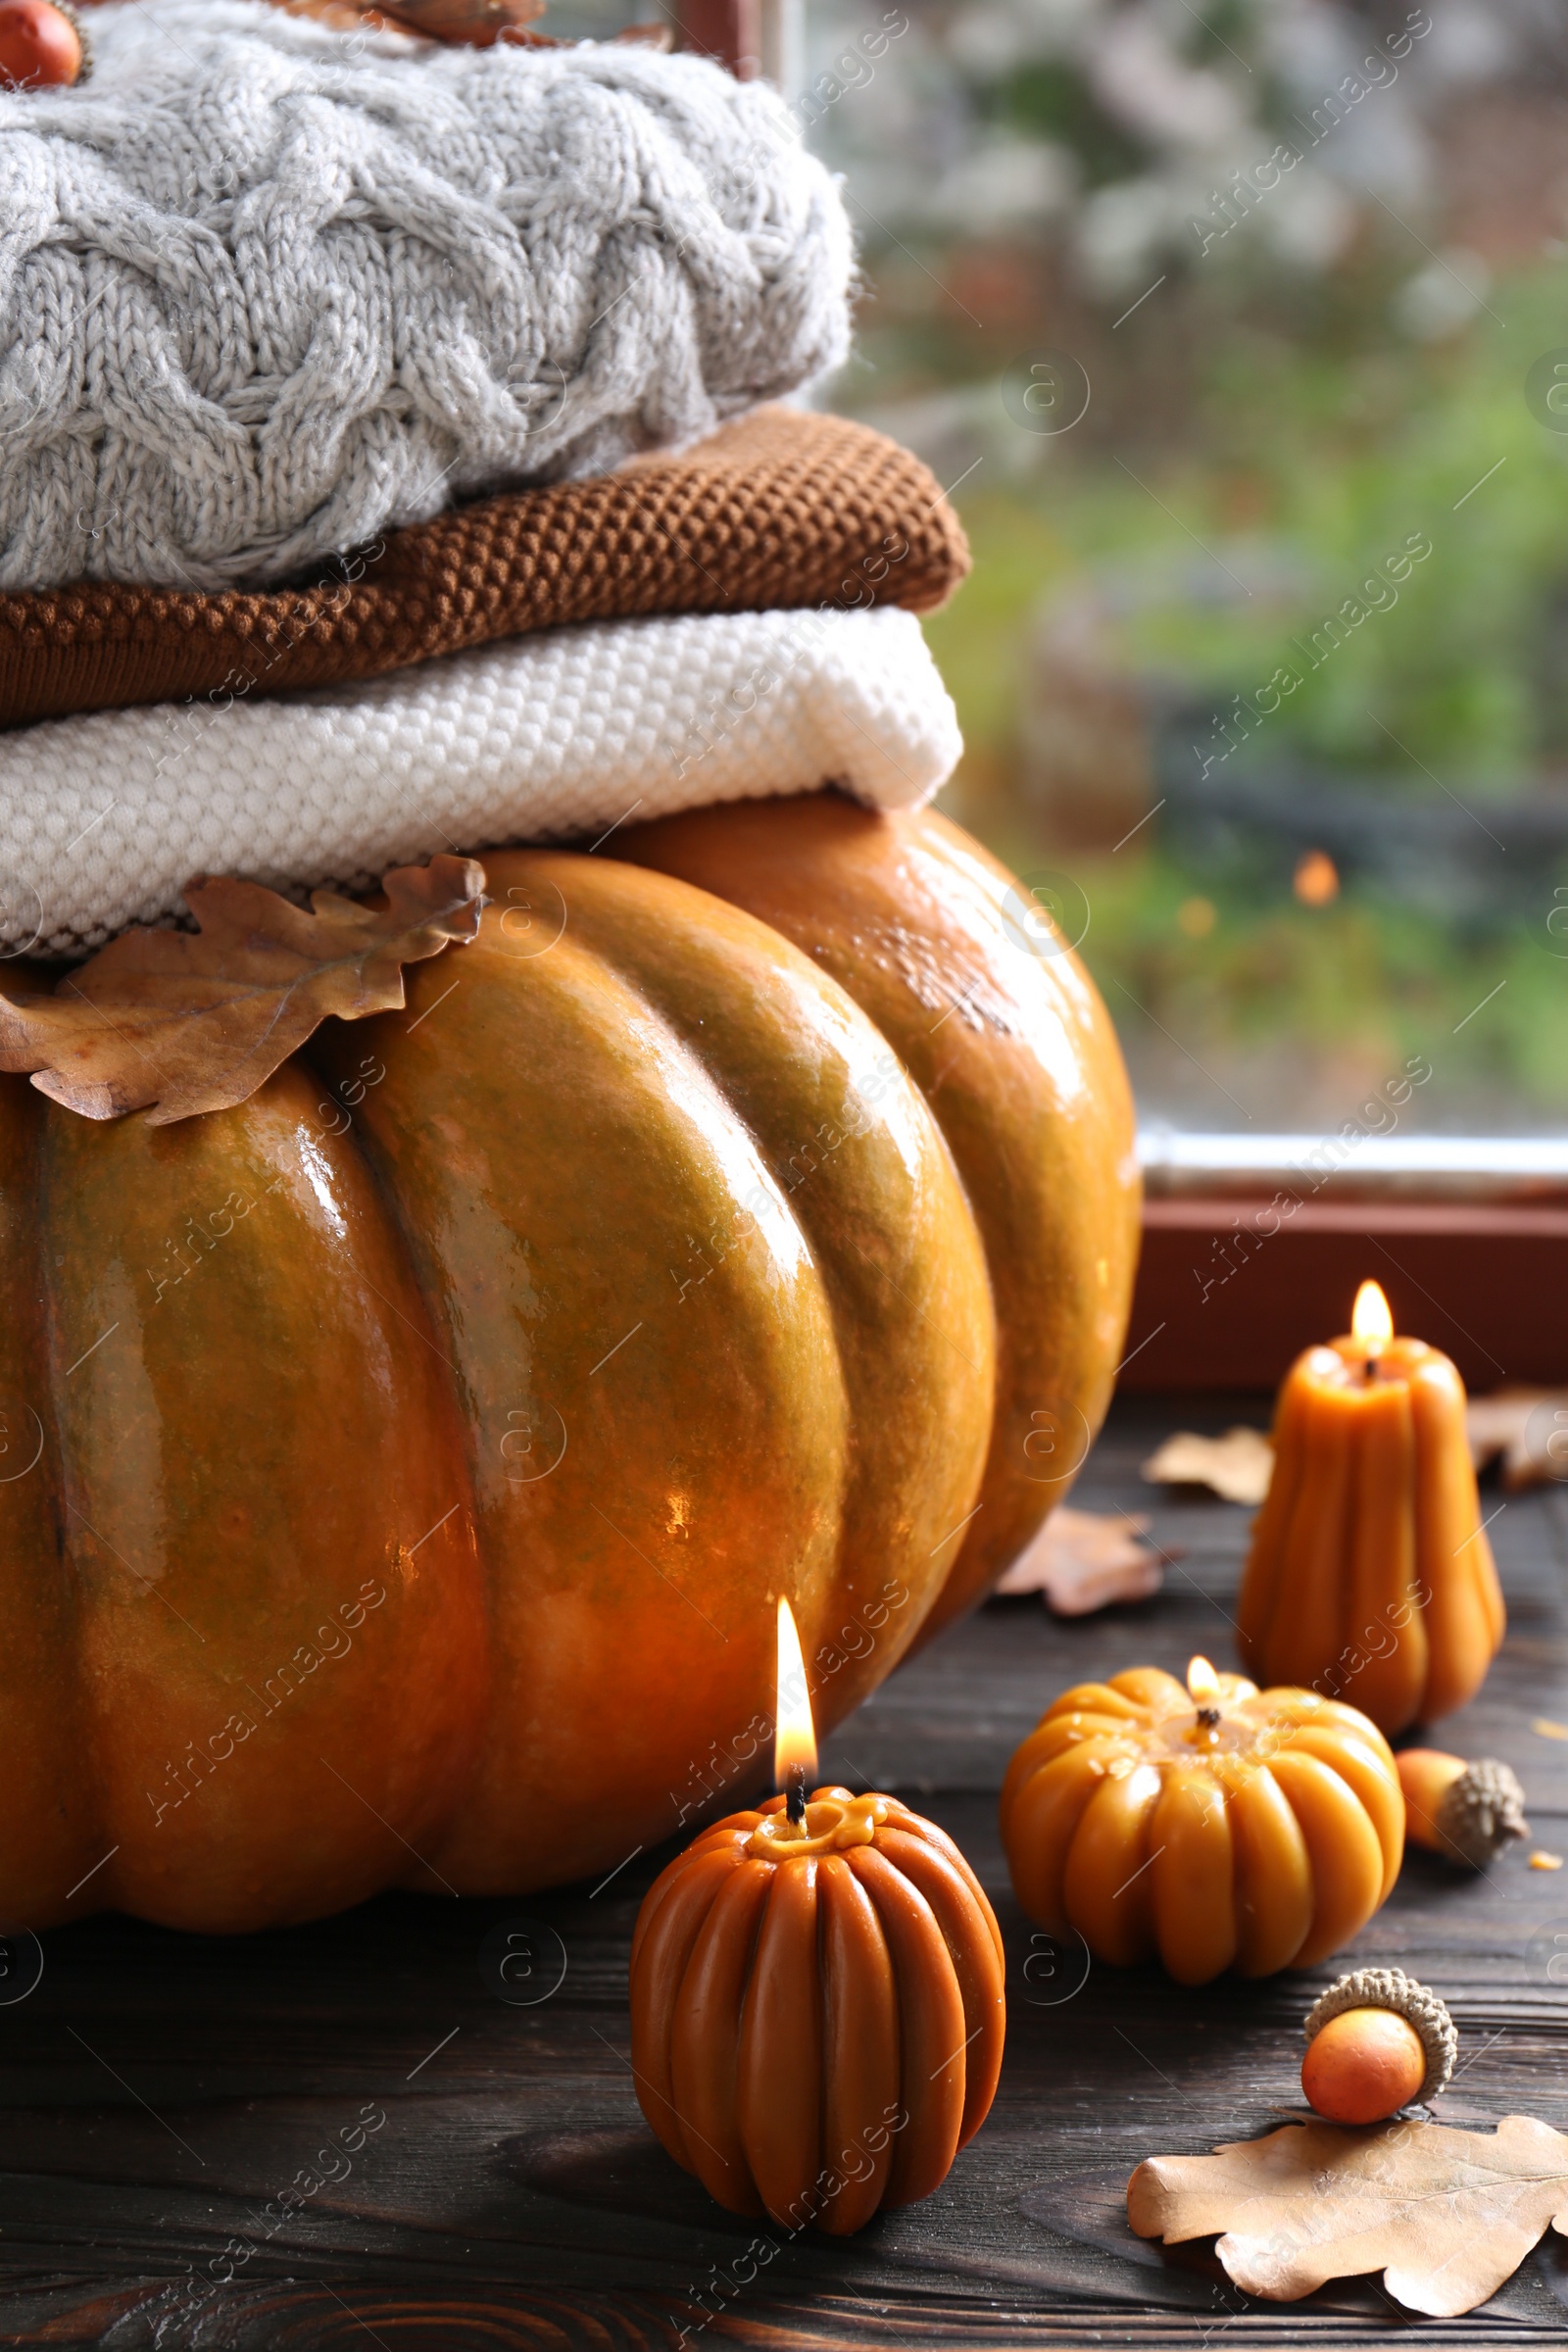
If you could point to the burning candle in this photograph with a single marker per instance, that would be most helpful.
(793, 1732)
(816, 1995)
(1217, 1825)
(1370, 1576)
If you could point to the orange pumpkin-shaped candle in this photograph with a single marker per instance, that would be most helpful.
(1217, 1826)
(817, 2009)
(1370, 1576)
(816, 1997)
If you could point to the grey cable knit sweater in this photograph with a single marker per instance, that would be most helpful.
(267, 290)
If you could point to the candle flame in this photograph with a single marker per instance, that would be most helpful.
(794, 1734)
(1371, 1321)
(1202, 1683)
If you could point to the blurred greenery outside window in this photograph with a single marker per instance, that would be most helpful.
(1239, 329)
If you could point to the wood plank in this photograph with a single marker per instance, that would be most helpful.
(160, 2093)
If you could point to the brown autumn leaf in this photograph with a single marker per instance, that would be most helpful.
(193, 1022)
(464, 24)
(1236, 1466)
(1446, 2215)
(1083, 1560)
(468, 24)
(1527, 1427)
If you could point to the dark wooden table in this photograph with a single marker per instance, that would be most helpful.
(495, 2184)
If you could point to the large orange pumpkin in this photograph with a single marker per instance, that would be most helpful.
(401, 1469)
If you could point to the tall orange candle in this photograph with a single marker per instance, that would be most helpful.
(1370, 1576)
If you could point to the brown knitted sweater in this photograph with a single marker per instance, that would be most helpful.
(780, 508)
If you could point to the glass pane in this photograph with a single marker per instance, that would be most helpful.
(1238, 330)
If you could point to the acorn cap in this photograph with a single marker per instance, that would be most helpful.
(1391, 1989)
(1480, 1811)
(84, 70)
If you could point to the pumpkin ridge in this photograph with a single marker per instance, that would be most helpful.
(52, 1745)
(779, 2045)
(582, 1075)
(860, 2031)
(628, 918)
(679, 1923)
(931, 2028)
(1046, 1158)
(279, 1626)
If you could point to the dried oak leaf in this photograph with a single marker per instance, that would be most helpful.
(473, 24)
(1238, 1466)
(189, 1023)
(1083, 1560)
(468, 24)
(1446, 2215)
(1527, 1427)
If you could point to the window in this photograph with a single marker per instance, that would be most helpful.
(1236, 331)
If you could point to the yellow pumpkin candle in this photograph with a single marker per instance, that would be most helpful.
(1218, 1826)
(1370, 1576)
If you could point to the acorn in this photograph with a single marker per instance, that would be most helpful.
(1377, 2042)
(1467, 1812)
(41, 46)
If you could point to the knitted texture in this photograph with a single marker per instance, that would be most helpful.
(780, 508)
(267, 290)
(566, 733)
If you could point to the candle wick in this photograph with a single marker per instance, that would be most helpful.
(795, 1794)
(1208, 1717)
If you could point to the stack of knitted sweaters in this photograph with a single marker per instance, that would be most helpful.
(391, 460)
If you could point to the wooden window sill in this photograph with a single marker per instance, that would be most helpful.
(1230, 1288)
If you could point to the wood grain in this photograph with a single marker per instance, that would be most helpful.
(162, 2092)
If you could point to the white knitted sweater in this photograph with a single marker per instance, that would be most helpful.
(561, 733)
(267, 290)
